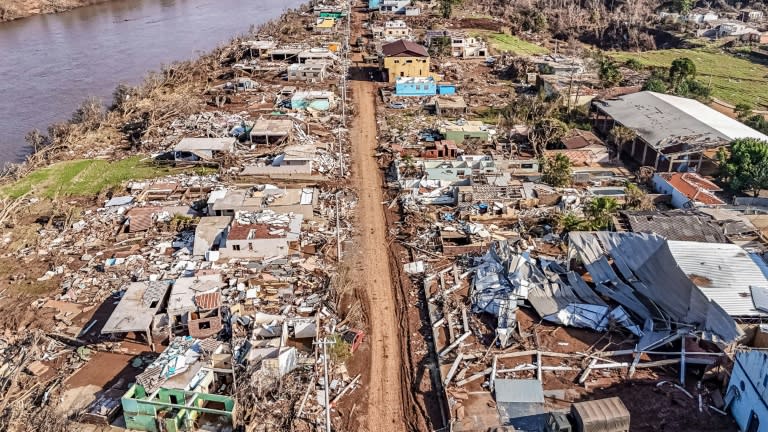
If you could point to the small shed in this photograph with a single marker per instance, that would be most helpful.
(602, 415)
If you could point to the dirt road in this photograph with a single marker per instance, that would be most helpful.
(385, 404)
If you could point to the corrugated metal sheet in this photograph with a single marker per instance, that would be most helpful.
(646, 261)
(723, 272)
(602, 415)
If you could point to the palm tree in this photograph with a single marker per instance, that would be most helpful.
(569, 221)
(599, 211)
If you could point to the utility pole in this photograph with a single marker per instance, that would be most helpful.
(338, 229)
(326, 387)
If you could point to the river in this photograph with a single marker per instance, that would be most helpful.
(50, 63)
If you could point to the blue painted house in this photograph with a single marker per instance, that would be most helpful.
(374, 4)
(415, 86)
(747, 395)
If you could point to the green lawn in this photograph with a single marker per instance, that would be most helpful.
(82, 177)
(505, 42)
(734, 79)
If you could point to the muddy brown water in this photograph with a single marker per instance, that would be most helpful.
(50, 63)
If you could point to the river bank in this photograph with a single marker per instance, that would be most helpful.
(64, 58)
(16, 9)
(138, 117)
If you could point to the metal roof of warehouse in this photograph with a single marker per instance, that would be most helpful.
(656, 117)
(724, 273)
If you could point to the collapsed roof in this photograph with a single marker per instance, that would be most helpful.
(669, 282)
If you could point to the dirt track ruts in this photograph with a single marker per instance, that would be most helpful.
(385, 403)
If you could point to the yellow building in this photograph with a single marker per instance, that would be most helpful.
(405, 59)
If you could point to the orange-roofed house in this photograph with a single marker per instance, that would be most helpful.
(688, 190)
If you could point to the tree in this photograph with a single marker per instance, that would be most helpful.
(440, 46)
(599, 212)
(546, 131)
(682, 69)
(757, 122)
(556, 171)
(634, 64)
(608, 72)
(743, 110)
(621, 136)
(637, 199)
(446, 7)
(745, 167)
(36, 140)
(693, 89)
(655, 84)
(683, 6)
(570, 221)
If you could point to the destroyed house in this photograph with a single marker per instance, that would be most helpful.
(318, 100)
(463, 46)
(174, 393)
(270, 131)
(209, 234)
(226, 202)
(262, 234)
(138, 309)
(674, 225)
(747, 394)
(311, 71)
(192, 294)
(445, 149)
(258, 48)
(450, 106)
(325, 25)
(462, 131)
(673, 133)
(205, 148)
(316, 55)
(391, 30)
(295, 160)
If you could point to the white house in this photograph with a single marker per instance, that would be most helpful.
(394, 6)
(688, 190)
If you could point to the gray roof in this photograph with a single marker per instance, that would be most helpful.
(519, 390)
(660, 118)
(676, 225)
(137, 307)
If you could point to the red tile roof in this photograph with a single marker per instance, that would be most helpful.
(209, 300)
(141, 218)
(404, 48)
(577, 139)
(694, 186)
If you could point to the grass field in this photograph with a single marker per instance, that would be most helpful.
(82, 177)
(734, 79)
(505, 42)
